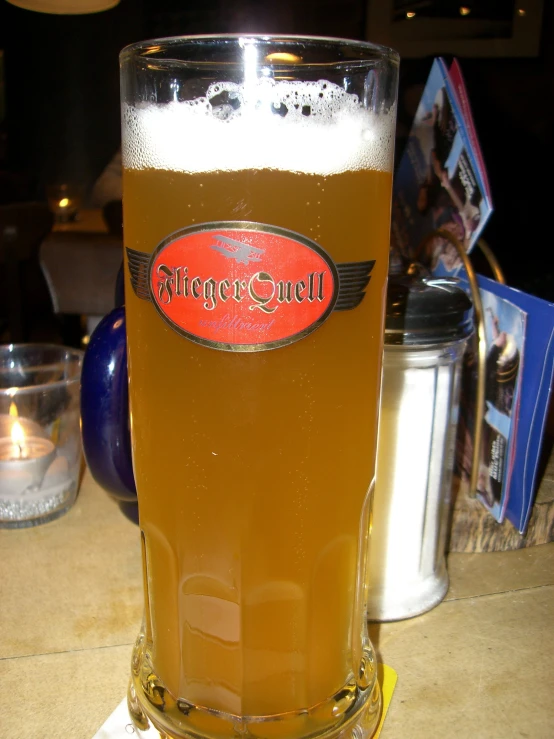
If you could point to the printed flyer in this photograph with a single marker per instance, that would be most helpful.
(441, 183)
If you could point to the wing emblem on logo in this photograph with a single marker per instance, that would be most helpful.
(139, 264)
(354, 277)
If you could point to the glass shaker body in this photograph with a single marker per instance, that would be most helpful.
(415, 455)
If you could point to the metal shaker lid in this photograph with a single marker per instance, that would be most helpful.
(423, 310)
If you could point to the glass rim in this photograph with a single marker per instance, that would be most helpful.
(43, 386)
(138, 49)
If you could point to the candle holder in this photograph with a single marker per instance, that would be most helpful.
(40, 441)
(64, 201)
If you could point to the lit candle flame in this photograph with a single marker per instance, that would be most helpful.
(13, 410)
(18, 439)
(18, 435)
(64, 202)
(281, 56)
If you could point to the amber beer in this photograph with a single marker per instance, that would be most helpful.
(254, 467)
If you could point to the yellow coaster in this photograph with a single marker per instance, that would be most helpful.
(387, 680)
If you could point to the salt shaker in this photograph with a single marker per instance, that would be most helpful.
(427, 325)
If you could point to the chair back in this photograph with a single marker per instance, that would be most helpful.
(81, 271)
(23, 226)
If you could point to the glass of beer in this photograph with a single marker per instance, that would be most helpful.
(256, 197)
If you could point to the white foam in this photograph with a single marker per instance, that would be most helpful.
(325, 130)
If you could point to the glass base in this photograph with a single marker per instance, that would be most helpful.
(25, 512)
(407, 599)
(352, 713)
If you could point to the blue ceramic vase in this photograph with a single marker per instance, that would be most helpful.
(105, 409)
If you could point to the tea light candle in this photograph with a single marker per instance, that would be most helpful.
(63, 201)
(66, 207)
(23, 460)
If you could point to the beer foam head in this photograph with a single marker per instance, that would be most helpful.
(311, 127)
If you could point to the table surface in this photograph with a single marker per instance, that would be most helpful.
(88, 219)
(479, 665)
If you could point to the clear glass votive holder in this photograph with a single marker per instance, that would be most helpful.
(64, 201)
(40, 439)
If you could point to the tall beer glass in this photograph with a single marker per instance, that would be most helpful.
(257, 187)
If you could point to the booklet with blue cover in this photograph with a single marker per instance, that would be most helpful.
(518, 384)
(505, 332)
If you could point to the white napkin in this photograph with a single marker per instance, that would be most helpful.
(118, 725)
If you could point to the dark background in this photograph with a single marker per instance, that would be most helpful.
(62, 104)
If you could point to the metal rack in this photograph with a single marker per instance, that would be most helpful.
(480, 334)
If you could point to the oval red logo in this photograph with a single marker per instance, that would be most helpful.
(241, 286)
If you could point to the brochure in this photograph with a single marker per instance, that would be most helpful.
(457, 80)
(505, 332)
(440, 181)
(537, 374)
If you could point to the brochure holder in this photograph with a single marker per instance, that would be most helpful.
(472, 527)
(488, 253)
(480, 334)
(441, 194)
